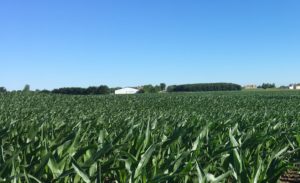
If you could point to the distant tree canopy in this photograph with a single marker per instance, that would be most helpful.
(26, 88)
(3, 90)
(151, 89)
(204, 87)
(101, 90)
(163, 86)
(267, 85)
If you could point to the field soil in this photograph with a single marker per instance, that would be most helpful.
(291, 176)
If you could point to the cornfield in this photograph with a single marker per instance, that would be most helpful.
(199, 137)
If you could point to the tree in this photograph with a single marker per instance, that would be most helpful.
(204, 87)
(26, 88)
(151, 89)
(103, 89)
(3, 90)
(267, 85)
(93, 90)
(162, 86)
(70, 91)
(141, 90)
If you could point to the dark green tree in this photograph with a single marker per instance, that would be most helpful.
(151, 89)
(204, 87)
(103, 89)
(93, 90)
(26, 88)
(268, 85)
(3, 90)
(163, 86)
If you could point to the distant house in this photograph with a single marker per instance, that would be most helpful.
(126, 91)
(294, 87)
(250, 87)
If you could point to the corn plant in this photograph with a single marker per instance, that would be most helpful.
(199, 137)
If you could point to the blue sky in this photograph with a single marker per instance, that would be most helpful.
(54, 43)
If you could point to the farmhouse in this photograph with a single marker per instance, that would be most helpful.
(294, 86)
(250, 86)
(126, 91)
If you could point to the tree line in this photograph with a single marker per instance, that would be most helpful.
(3, 89)
(162, 87)
(105, 90)
(153, 89)
(268, 85)
(204, 87)
(92, 90)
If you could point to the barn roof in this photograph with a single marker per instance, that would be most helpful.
(133, 89)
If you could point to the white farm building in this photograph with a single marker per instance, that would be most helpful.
(126, 91)
(294, 86)
(250, 87)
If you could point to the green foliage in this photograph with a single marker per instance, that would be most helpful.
(151, 89)
(101, 90)
(162, 86)
(26, 88)
(198, 137)
(204, 87)
(267, 85)
(3, 90)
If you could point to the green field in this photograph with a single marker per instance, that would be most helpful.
(198, 137)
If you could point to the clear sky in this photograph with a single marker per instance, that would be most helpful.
(56, 43)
